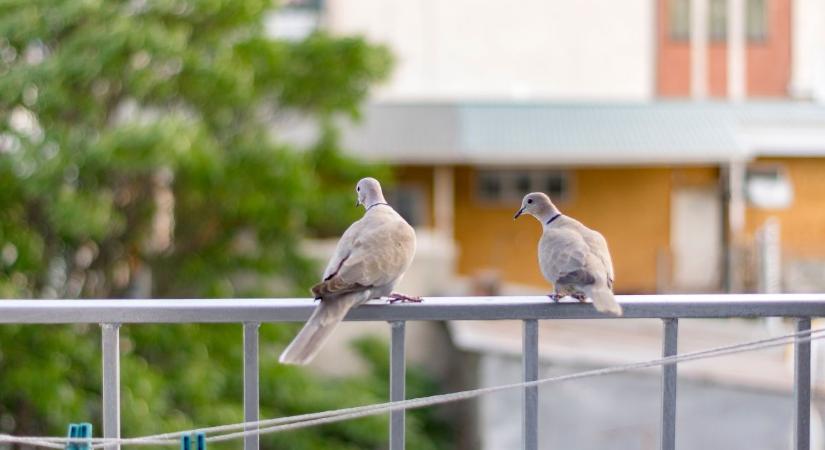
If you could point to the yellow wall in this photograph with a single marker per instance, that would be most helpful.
(803, 223)
(629, 206)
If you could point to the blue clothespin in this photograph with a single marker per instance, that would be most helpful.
(85, 432)
(186, 441)
(74, 430)
(80, 431)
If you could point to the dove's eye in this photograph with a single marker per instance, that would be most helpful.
(529, 200)
(358, 189)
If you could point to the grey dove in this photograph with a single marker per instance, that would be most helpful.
(370, 258)
(571, 256)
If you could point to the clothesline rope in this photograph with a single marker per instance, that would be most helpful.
(268, 426)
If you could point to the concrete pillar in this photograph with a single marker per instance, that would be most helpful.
(737, 59)
(735, 171)
(736, 206)
(699, 49)
(444, 200)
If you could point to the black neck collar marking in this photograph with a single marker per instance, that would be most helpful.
(376, 204)
(552, 219)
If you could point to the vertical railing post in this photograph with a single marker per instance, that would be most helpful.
(397, 383)
(251, 396)
(110, 349)
(669, 348)
(530, 364)
(802, 387)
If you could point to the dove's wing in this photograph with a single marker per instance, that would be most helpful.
(343, 249)
(572, 255)
(561, 252)
(597, 246)
(377, 253)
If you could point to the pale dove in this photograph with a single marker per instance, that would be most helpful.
(571, 256)
(370, 258)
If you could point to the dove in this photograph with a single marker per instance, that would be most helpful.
(370, 258)
(571, 256)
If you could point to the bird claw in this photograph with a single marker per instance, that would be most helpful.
(396, 297)
(580, 297)
(556, 297)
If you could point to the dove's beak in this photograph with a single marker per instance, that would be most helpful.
(518, 213)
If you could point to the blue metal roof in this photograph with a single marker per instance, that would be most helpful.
(501, 133)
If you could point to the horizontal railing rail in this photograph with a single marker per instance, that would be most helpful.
(111, 314)
(437, 308)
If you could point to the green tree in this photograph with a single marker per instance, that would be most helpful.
(138, 157)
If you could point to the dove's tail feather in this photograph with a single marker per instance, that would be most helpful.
(604, 301)
(326, 317)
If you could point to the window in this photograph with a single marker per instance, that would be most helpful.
(768, 187)
(295, 19)
(309, 5)
(756, 19)
(408, 201)
(489, 185)
(509, 186)
(718, 20)
(680, 19)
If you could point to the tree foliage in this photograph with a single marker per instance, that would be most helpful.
(138, 157)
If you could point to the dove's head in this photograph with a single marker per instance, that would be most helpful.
(538, 205)
(369, 193)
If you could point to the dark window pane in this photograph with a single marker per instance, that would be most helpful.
(312, 5)
(555, 186)
(718, 19)
(763, 173)
(408, 202)
(756, 19)
(489, 186)
(679, 19)
(523, 184)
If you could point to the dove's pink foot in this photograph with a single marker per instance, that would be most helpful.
(555, 297)
(396, 297)
(580, 297)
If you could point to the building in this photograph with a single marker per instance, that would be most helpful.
(690, 132)
(647, 175)
(648, 136)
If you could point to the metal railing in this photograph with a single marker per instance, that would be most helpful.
(110, 314)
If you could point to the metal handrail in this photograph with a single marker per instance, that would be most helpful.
(110, 314)
(436, 308)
